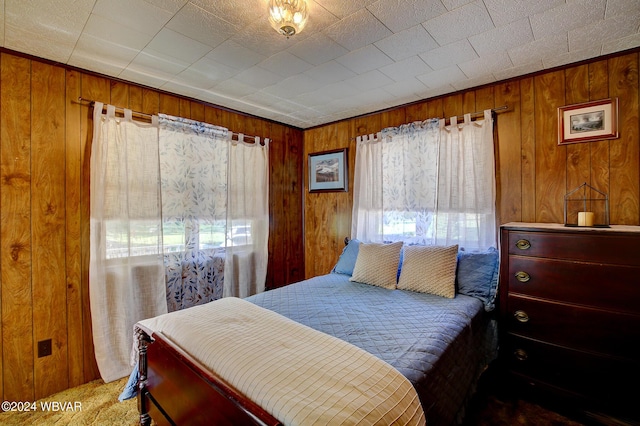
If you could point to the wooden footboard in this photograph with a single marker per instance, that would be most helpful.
(175, 389)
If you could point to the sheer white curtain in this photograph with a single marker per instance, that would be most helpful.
(126, 274)
(247, 218)
(194, 160)
(427, 183)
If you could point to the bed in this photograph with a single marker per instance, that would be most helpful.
(439, 342)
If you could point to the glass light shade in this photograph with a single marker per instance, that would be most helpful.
(288, 17)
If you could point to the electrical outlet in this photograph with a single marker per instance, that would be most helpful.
(44, 348)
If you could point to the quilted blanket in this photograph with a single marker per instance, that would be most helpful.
(441, 345)
(297, 374)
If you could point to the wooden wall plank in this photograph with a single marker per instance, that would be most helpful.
(599, 162)
(528, 147)
(15, 229)
(508, 138)
(1, 363)
(48, 226)
(578, 154)
(550, 158)
(169, 104)
(119, 94)
(75, 342)
(625, 151)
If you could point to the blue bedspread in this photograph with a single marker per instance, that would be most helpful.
(441, 345)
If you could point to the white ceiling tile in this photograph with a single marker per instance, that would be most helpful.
(525, 69)
(105, 52)
(176, 45)
(622, 44)
(398, 15)
(357, 30)
(157, 64)
(406, 69)
(339, 90)
(570, 57)
(613, 28)
(454, 4)
(365, 59)
(40, 43)
(233, 12)
(545, 47)
(312, 99)
(474, 82)
(258, 77)
(341, 8)
(201, 25)
(232, 88)
(407, 43)
(285, 64)
(2, 23)
(233, 55)
(460, 23)
(566, 17)
(404, 89)
(181, 88)
(330, 72)
(317, 49)
(485, 65)
(143, 76)
(171, 6)
(114, 33)
(293, 86)
(443, 77)
(137, 14)
(369, 80)
(505, 11)
(451, 54)
(261, 38)
(616, 7)
(498, 39)
(205, 73)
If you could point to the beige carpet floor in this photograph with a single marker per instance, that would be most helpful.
(100, 406)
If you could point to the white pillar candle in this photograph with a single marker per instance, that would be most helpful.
(585, 218)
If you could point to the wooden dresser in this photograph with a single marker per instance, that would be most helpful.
(570, 313)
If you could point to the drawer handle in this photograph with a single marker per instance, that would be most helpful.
(522, 276)
(523, 244)
(521, 316)
(520, 354)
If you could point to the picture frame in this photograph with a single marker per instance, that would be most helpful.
(588, 121)
(328, 171)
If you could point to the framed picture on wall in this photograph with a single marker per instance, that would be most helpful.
(589, 121)
(328, 171)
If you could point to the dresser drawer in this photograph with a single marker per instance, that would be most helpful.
(617, 287)
(601, 377)
(603, 247)
(575, 326)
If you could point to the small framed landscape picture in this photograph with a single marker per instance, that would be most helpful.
(589, 121)
(328, 171)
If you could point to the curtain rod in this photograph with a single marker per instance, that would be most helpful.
(147, 117)
(502, 108)
(480, 113)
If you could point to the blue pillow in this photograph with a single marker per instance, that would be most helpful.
(347, 260)
(477, 275)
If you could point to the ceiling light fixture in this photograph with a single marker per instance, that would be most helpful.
(288, 17)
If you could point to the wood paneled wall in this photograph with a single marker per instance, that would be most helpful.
(534, 173)
(45, 143)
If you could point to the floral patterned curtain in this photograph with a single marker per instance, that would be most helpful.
(193, 169)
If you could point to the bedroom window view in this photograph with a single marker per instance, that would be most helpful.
(428, 184)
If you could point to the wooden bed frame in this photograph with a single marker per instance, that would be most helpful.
(175, 389)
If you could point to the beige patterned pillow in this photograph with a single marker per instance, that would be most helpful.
(377, 264)
(429, 269)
